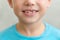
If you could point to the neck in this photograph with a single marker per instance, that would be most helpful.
(32, 29)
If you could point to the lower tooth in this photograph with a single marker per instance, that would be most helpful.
(28, 12)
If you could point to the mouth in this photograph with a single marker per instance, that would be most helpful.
(30, 13)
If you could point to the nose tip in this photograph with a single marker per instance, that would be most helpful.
(29, 3)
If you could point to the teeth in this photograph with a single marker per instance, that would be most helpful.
(30, 11)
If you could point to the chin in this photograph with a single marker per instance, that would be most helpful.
(32, 21)
(29, 22)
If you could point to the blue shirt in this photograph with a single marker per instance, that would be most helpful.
(50, 33)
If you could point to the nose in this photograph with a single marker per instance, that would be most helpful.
(29, 3)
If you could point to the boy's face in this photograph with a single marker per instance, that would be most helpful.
(29, 11)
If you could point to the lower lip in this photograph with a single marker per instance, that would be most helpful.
(29, 14)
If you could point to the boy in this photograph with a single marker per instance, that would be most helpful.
(30, 25)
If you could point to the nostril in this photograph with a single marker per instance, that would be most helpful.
(29, 4)
(37, 10)
(23, 11)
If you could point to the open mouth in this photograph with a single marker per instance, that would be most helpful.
(30, 12)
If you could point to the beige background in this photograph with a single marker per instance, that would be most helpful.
(8, 18)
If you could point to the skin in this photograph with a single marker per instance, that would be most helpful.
(30, 25)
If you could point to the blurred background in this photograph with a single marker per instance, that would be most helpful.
(7, 16)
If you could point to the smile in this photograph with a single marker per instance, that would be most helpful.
(30, 13)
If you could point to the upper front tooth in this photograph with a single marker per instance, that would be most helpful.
(28, 11)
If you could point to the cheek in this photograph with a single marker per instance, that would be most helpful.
(17, 4)
(42, 4)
